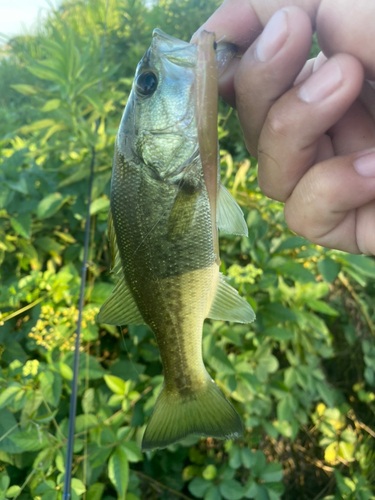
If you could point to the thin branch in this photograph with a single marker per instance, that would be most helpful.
(160, 485)
(344, 280)
(361, 424)
(25, 483)
(23, 309)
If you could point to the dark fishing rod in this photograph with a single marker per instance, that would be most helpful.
(73, 395)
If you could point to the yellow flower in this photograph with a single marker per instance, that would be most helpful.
(30, 368)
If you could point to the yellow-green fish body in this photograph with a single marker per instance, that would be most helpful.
(160, 229)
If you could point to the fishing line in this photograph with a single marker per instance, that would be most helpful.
(73, 395)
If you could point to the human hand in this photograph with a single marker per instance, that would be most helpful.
(311, 124)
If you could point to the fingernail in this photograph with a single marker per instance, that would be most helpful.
(321, 84)
(273, 37)
(365, 164)
(319, 61)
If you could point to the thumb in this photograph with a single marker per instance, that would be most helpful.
(343, 27)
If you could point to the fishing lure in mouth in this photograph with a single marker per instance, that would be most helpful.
(167, 205)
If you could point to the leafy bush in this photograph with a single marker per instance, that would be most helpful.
(302, 376)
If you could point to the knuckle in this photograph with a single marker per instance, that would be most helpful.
(269, 169)
(278, 124)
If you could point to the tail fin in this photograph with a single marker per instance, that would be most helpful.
(204, 412)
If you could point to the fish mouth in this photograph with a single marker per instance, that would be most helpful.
(176, 51)
(171, 41)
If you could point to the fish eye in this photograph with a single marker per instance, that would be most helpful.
(146, 83)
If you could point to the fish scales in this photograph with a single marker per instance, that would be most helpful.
(161, 229)
(158, 268)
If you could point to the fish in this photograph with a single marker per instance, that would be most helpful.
(166, 207)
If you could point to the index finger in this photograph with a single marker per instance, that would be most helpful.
(241, 21)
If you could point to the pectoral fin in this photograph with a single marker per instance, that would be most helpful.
(120, 308)
(230, 216)
(229, 306)
(182, 214)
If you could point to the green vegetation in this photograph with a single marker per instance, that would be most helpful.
(302, 376)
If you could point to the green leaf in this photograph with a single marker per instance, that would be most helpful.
(46, 73)
(266, 364)
(198, 487)
(85, 422)
(116, 384)
(277, 312)
(49, 245)
(50, 205)
(286, 408)
(51, 105)
(95, 491)
(30, 440)
(38, 125)
(118, 472)
(77, 486)
(279, 333)
(100, 292)
(329, 269)
(292, 242)
(66, 371)
(4, 481)
(209, 472)
(43, 419)
(22, 225)
(272, 473)
(99, 205)
(20, 186)
(13, 491)
(322, 307)
(345, 485)
(53, 495)
(25, 89)
(231, 489)
(8, 428)
(8, 394)
(95, 102)
(259, 463)
(213, 493)
(326, 393)
(219, 361)
(247, 457)
(132, 451)
(88, 400)
(297, 271)
(365, 265)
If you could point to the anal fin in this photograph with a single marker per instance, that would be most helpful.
(120, 308)
(115, 254)
(228, 305)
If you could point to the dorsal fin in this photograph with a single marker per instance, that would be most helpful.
(120, 307)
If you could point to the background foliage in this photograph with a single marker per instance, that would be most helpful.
(302, 376)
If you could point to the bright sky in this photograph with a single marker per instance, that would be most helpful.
(18, 16)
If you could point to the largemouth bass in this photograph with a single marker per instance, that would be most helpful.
(166, 206)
